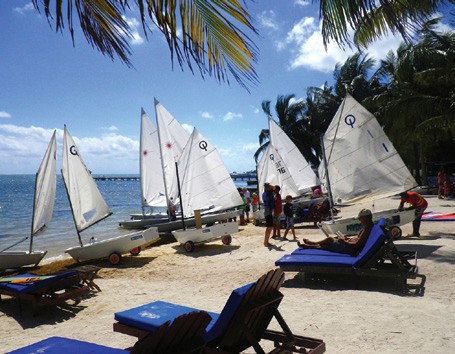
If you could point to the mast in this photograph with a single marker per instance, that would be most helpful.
(33, 215)
(140, 161)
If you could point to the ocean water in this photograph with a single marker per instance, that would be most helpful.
(16, 204)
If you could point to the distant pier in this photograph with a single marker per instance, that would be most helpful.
(117, 178)
(248, 176)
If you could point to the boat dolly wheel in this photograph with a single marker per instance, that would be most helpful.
(189, 246)
(396, 232)
(226, 239)
(115, 258)
(135, 251)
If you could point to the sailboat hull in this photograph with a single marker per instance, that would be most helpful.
(17, 259)
(351, 225)
(168, 226)
(207, 233)
(120, 244)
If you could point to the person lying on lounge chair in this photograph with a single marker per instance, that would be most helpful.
(344, 244)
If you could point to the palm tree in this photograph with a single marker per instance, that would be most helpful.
(214, 34)
(418, 107)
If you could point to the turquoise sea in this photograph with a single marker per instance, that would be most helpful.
(16, 203)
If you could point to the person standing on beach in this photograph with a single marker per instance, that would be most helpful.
(441, 177)
(277, 210)
(289, 214)
(246, 194)
(418, 203)
(269, 204)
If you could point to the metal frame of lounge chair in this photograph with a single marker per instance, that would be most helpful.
(386, 262)
(183, 336)
(249, 322)
(51, 291)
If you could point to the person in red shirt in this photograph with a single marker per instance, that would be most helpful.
(441, 183)
(418, 203)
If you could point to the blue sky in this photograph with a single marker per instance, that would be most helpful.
(45, 83)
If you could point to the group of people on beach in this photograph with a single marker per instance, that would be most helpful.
(273, 207)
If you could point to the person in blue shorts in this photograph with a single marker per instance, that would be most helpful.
(344, 244)
(268, 200)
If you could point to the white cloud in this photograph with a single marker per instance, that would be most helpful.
(302, 2)
(267, 19)
(308, 51)
(188, 128)
(255, 109)
(230, 116)
(134, 25)
(4, 114)
(250, 147)
(26, 8)
(23, 148)
(112, 128)
(206, 115)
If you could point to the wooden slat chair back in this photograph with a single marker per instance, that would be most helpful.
(184, 335)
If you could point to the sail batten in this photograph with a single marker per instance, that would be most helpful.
(362, 163)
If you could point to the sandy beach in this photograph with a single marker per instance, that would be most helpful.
(372, 318)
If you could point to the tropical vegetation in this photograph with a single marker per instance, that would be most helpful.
(412, 94)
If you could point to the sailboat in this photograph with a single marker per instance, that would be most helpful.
(362, 165)
(153, 197)
(205, 184)
(43, 206)
(283, 164)
(169, 138)
(299, 169)
(89, 207)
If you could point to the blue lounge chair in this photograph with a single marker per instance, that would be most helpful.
(44, 290)
(183, 336)
(379, 258)
(241, 324)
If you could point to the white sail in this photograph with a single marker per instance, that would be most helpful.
(300, 170)
(362, 163)
(45, 187)
(272, 169)
(152, 183)
(172, 139)
(205, 181)
(87, 203)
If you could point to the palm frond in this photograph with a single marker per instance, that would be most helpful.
(212, 35)
(371, 19)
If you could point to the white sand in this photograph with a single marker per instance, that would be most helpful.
(370, 319)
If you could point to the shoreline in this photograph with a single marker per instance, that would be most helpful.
(371, 318)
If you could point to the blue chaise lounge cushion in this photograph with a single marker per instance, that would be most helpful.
(150, 316)
(328, 259)
(59, 345)
(25, 288)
